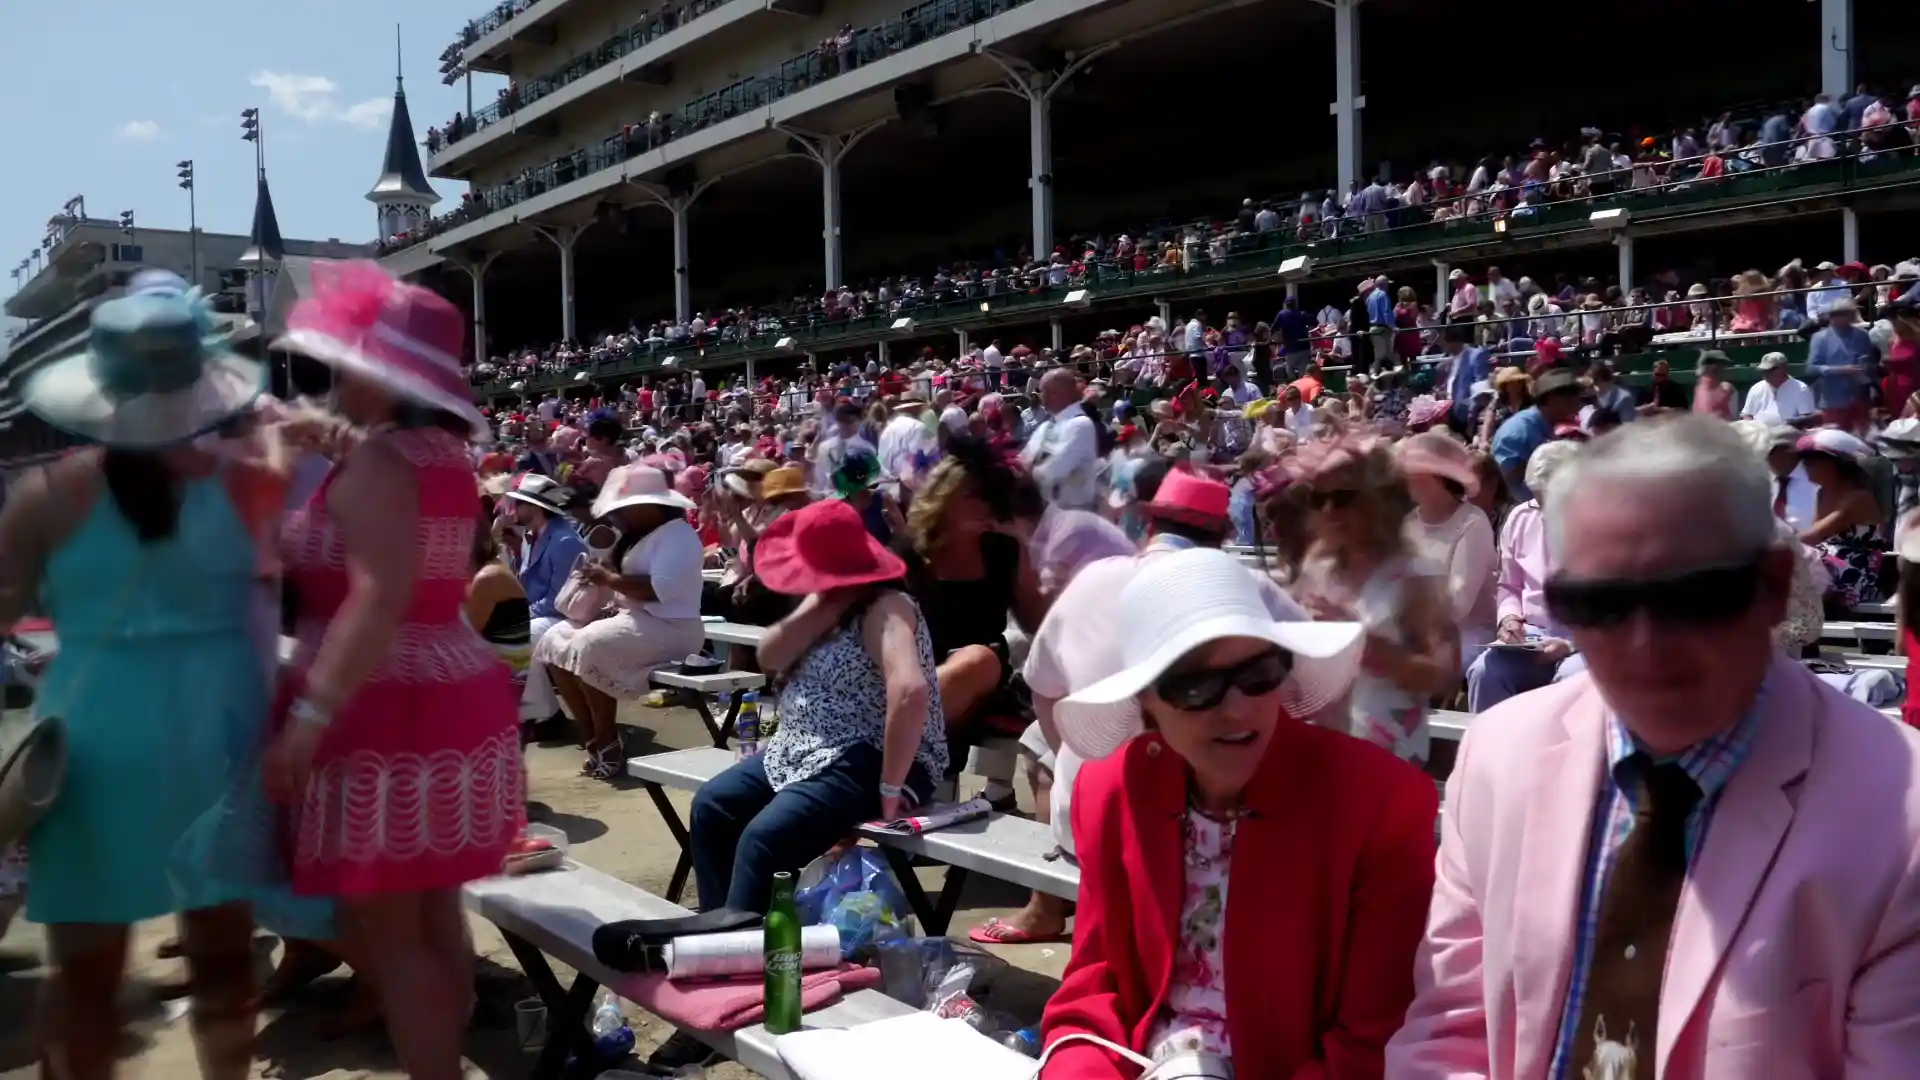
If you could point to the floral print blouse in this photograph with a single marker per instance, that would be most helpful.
(1195, 1015)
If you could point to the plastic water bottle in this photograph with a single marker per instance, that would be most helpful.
(1025, 1042)
(746, 726)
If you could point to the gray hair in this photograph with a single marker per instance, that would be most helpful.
(1545, 461)
(1705, 454)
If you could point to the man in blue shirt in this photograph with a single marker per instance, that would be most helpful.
(1556, 401)
(1295, 345)
(1470, 365)
(1380, 324)
(544, 559)
(1841, 363)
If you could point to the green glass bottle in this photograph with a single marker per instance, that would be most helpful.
(783, 958)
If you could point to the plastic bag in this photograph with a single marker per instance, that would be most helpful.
(830, 877)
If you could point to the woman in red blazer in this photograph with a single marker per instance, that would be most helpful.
(1303, 967)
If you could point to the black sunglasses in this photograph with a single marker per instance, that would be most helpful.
(1194, 691)
(1696, 598)
(1338, 499)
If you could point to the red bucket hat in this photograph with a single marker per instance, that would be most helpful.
(820, 547)
(1193, 499)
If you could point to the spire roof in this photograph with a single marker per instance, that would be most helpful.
(267, 247)
(401, 177)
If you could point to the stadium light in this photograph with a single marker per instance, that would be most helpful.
(785, 344)
(1296, 268)
(1606, 220)
(903, 326)
(1500, 226)
(1079, 299)
(126, 222)
(985, 307)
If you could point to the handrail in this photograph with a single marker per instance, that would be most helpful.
(652, 26)
(503, 13)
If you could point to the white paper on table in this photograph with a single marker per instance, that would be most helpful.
(918, 1044)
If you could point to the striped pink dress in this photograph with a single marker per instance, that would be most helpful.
(417, 784)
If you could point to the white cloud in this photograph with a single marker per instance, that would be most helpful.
(315, 99)
(139, 131)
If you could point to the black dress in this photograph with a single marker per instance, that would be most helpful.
(975, 612)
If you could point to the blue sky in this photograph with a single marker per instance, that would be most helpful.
(104, 96)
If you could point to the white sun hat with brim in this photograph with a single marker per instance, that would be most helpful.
(1183, 600)
(153, 372)
(409, 340)
(542, 491)
(637, 485)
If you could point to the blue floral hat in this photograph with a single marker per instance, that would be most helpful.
(154, 371)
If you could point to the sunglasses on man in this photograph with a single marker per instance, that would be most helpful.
(1204, 688)
(1702, 597)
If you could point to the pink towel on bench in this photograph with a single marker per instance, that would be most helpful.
(728, 1004)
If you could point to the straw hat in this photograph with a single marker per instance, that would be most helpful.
(1182, 600)
(153, 372)
(408, 339)
(783, 482)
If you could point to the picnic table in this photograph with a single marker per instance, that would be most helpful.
(555, 914)
(1001, 846)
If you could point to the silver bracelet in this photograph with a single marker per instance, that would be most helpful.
(303, 711)
(891, 791)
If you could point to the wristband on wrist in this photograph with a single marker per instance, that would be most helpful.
(307, 713)
(891, 791)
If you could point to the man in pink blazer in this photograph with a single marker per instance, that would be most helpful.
(1791, 939)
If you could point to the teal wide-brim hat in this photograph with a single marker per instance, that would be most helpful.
(153, 372)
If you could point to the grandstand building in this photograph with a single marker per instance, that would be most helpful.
(647, 161)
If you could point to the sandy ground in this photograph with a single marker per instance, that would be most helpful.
(614, 828)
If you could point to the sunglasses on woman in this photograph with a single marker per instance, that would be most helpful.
(1701, 597)
(1337, 499)
(1204, 688)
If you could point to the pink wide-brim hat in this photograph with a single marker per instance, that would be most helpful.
(408, 339)
(1435, 454)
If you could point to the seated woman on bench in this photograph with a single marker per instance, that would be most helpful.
(1253, 886)
(968, 569)
(653, 573)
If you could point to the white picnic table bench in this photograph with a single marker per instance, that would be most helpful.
(1001, 846)
(733, 633)
(1858, 632)
(555, 914)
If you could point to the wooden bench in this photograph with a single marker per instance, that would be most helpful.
(1858, 632)
(555, 914)
(1000, 846)
(694, 690)
(733, 633)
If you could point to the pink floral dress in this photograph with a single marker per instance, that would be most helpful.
(1195, 1015)
(417, 784)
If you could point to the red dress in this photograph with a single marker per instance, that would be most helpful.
(417, 784)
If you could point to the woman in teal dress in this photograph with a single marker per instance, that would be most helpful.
(141, 551)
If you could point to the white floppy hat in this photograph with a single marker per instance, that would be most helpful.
(541, 491)
(637, 485)
(1182, 600)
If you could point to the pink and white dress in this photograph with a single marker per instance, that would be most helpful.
(417, 784)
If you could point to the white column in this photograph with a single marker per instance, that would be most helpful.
(565, 237)
(1347, 100)
(682, 282)
(1166, 312)
(1059, 336)
(1293, 291)
(1442, 288)
(966, 342)
(831, 148)
(1623, 251)
(751, 381)
(478, 271)
(1849, 235)
(881, 355)
(1836, 48)
(1040, 175)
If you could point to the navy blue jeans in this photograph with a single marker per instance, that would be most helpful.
(743, 832)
